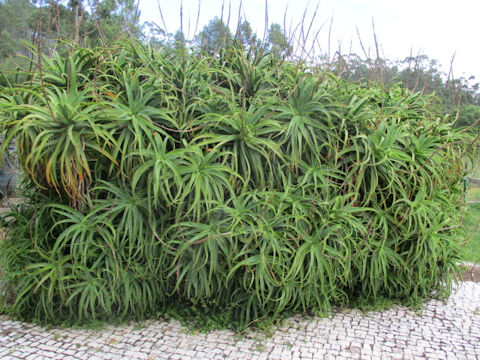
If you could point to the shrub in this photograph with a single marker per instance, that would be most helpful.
(238, 183)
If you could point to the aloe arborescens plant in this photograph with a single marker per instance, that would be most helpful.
(239, 183)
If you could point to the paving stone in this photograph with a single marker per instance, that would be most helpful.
(449, 329)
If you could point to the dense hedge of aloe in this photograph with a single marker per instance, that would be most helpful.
(236, 183)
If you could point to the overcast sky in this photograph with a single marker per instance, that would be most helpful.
(436, 28)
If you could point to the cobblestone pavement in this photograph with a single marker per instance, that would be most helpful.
(443, 330)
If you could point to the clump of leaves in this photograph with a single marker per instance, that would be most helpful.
(252, 187)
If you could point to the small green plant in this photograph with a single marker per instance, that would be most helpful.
(139, 326)
(227, 190)
(259, 346)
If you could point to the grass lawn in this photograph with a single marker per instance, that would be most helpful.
(473, 194)
(472, 248)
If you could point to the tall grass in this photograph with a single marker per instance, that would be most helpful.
(239, 183)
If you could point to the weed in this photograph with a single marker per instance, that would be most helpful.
(139, 326)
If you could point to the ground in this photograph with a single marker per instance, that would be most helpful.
(470, 273)
(441, 330)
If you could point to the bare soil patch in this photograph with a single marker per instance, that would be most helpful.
(470, 273)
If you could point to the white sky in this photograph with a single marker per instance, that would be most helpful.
(436, 28)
